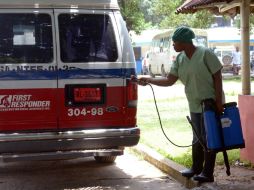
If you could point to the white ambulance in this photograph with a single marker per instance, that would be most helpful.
(65, 92)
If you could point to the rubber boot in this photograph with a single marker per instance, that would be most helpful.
(207, 174)
(197, 149)
(210, 158)
(197, 158)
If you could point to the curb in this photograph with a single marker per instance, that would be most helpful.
(168, 166)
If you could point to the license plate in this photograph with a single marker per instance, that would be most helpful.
(87, 94)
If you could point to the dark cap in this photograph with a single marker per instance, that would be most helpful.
(183, 34)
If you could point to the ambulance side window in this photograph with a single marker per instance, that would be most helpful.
(87, 38)
(25, 38)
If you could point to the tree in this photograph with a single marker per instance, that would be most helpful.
(167, 10)
(142, 14)
(132, 14)
(146, 7)
(237, 21)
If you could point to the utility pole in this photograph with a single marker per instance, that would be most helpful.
(245, 44)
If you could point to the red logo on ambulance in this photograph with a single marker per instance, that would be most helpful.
(22, 103)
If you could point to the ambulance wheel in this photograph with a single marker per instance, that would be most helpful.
(105, 159)
(150, 72)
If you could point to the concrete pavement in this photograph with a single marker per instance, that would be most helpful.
(168, 166)
(241, 178)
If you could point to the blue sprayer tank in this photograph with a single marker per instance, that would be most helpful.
(225, 131)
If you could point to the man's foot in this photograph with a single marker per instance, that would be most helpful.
(203, 178)
(188, 173)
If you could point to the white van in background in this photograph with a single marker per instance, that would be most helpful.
(65, 68)
(225, 54)
(145, 64)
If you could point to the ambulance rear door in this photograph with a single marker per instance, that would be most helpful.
(91, 77)
(28, 70)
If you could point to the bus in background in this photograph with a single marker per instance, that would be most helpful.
(162, 53)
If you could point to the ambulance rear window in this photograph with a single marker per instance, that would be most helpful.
(25, 38)
(87, 38)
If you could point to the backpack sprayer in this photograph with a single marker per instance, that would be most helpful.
(223, 132)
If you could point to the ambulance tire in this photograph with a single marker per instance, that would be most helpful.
(150, 72)
(105, 159)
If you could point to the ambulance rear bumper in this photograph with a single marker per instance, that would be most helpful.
(68, 140)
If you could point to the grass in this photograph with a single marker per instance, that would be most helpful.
(173, 109)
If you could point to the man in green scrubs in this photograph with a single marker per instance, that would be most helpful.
(199, 70)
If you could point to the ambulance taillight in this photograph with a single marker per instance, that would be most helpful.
(132, 93)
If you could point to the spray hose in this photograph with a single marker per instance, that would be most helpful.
(163, 131)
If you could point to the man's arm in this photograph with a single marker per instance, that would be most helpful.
(169, 81)
(217, 78)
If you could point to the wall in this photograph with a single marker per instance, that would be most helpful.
(246, 108)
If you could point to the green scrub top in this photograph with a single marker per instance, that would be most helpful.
(196, 75)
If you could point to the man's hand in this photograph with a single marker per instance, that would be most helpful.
(219, 107)
(141, 81)
(162, 81)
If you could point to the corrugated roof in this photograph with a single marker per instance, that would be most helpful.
(189, 6)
